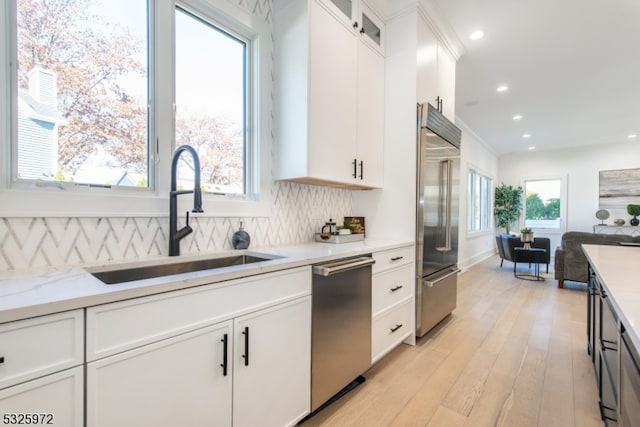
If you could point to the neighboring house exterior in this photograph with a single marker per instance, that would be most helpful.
(38, 121)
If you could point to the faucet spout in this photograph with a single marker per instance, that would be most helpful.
(176, 235)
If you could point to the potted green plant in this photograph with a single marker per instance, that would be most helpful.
(507, 205)
(526, 237)
(634, 211)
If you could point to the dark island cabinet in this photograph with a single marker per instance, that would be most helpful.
(615, 359)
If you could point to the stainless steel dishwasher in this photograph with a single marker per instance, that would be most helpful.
(341, 325)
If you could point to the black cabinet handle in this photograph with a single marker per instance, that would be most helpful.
(397, 288)
(225, 344)
(355, 24)
(355, 168)
(362, 30)
(396, 258)
(245, 356)
(398, 326)
(361, 169)
(1, 359)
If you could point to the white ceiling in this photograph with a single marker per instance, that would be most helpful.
(572, 67)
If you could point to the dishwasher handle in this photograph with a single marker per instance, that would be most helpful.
(342, 266)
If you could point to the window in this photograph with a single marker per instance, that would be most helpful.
(211, 101)
(543, 203)
(479, 202)
(82, 94)
(95, 96)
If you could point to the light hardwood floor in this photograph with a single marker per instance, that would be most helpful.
(512, 354)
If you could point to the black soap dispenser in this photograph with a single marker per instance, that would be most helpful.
(241, 238)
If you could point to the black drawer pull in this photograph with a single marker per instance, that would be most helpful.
(397, 288)
(1, 359)
(398, 326)
(224, 364)
(245, 356)
(397, 258)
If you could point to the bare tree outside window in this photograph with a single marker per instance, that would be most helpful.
(95, 57)
(211, 101)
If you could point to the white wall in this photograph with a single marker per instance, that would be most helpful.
(475, 154)
(581, 167)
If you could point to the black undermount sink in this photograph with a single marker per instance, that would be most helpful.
(129, 274)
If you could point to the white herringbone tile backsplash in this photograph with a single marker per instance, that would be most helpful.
(41, 242)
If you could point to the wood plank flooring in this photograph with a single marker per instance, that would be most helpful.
(512, 354)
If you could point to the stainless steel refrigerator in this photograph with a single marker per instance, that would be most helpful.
(438, 184)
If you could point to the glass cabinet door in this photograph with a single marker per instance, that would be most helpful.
(344, 6)
(371, 28)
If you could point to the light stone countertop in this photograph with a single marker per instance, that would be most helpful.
(619, 269)
(29, 293)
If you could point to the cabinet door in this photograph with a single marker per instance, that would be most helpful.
(447, 82)
(370, 150)
(371, 28)
(344, 10)
(427, 65)
(332, 97)
(179, 381)
(56, 399)
(272, 376)
(22, 343)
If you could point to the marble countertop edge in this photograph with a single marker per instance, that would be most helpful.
(30, 293)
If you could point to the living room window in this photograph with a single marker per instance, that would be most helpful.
(479, 202)
(544, 203)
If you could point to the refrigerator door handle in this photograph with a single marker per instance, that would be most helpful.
(432, 283)
(447, 172)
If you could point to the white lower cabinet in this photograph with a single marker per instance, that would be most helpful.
(175, 382)
(56, 399)
(252, 368)
(392, 300)
(271, 387)
(41, 370)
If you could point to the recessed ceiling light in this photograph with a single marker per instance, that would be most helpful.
(526, 135)
(532, 148)
(502, 88)
(476, 35)
(517, 117)
(632, 136)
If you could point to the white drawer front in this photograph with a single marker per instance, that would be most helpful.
(392, 258)
(116, 327)
(391, 287)
(39, 346)
(390, 329)
(57, 399)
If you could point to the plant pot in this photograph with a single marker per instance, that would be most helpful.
(526, 238)
(634, 221)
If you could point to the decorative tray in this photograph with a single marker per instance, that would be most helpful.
(340, 238)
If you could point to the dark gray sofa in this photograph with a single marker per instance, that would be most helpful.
(570, 262)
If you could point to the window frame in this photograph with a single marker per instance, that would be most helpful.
(31, 198)
(563, 203)
(486, 203)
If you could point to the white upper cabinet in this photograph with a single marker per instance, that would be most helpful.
(436, 71)
(329, 93)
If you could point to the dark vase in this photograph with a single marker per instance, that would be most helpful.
(634, 221)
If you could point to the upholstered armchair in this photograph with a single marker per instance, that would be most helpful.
(506, 248)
